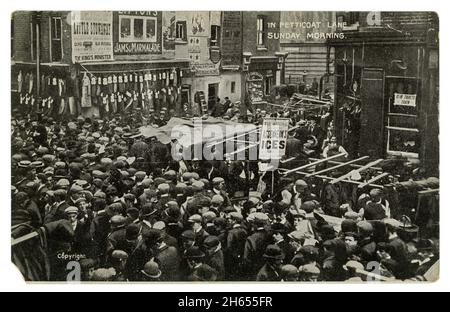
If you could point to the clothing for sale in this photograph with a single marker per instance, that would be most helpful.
(86, 92)
(19, 82)
(121, 83)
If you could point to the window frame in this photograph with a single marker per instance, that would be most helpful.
(55, 39)
(215, 42)
(261, 31)
(181, 37)
(132, 37)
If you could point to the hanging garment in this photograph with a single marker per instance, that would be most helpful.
(44, 89)
(104, 86)
(119, 101)
(62, 106)
(113, 103)
(136, 82)
(110, 85)
(151, 102)
(141, 84)
(26, 83)
(86, 92)
(72, 106)
(121, 84)
(93, 87)
(126, 84)
(114, 80)
(19, 82)
(31, 83)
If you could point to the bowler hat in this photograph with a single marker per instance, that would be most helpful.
(151, 270)
(132, 232)
(273, 252)
(194, 253)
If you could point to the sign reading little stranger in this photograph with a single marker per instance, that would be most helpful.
(91, 36)
(274, 137)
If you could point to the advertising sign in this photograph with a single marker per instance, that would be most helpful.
(274, 135)
(91, 36)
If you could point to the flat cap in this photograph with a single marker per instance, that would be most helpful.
(301, 184)
(309, 269)
(211, 242)
(195, 219)
(375, 193)
(103, 275)
(236, 216)
(194, 253)
(218, 180)
(71, 210)
(289, 271)
(365, 227)
(118, 221)
(209, 216)
(308, 206)
(119, 254)
(189, 234)
(198, 186)
(164, 188)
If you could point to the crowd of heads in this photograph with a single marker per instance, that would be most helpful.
(131, 213)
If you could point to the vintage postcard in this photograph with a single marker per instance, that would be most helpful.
(225, 146)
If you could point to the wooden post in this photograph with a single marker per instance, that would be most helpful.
(314, 163)
(374, 179)
(333, 162)
(345, 176)
(24, 238)
(329, 179)
(336, 167)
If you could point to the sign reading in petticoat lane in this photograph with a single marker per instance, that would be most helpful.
(91, 36)
(274, 135)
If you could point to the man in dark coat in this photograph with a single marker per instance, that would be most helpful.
(278, 232)
(255, 246)
(397, 249)
(214, 256)
(166, 256)
(236, 239)
(270, 272)
(197, 268)
(366, 245)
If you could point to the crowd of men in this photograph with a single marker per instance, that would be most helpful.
(120, 205)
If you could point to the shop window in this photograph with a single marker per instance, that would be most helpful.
(56, 40)
(150, 30)
(215, 36)
(137, 29)
(261, 32)
(233, 87)
(181, 31)
(403, 136)
(125, 28)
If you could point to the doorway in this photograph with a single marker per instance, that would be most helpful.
(213, 93)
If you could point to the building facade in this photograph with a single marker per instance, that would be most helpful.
(380, 94)
(96, 62)
(303, 36)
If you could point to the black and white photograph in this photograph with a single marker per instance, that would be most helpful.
(225, 146)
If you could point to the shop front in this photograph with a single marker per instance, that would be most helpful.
(261, 74)
(142, 73)
(387, 90)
